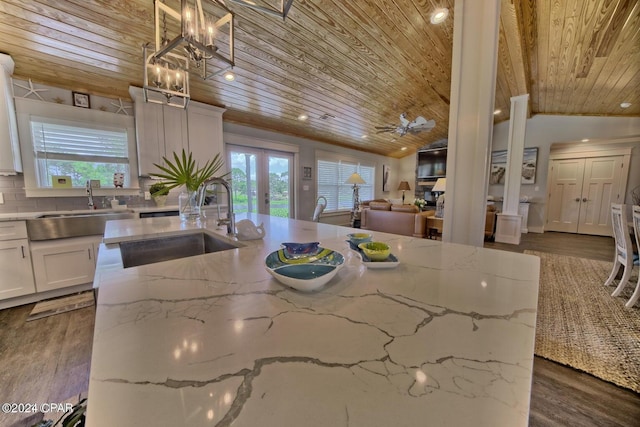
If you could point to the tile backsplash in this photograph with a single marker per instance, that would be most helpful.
(15, 199)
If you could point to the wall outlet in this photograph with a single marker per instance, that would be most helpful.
(147, 195)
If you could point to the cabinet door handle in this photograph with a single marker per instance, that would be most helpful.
(22, 249)
(89, 252)
(577, 199)
(584, 199)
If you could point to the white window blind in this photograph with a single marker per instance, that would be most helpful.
(80, 151)
(331, 182)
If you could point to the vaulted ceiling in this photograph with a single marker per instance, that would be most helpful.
(348, 65)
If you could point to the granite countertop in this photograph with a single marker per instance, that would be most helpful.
(446, 338)
(21, 216)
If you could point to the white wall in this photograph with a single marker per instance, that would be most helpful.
(306, 199)
(544, 130)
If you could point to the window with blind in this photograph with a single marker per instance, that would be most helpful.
(332, 176)
(82, 151)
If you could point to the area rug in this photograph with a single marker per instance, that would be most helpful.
(581, 325)
(54, 306)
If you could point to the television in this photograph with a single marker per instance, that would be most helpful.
(432, 164)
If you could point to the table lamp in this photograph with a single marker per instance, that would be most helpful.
(355, 179)
(404, 186)
(440, 186)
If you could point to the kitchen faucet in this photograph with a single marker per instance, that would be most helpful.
(90, 195)
(230, 220)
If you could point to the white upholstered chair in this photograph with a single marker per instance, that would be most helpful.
(624, 253)
(636, 230)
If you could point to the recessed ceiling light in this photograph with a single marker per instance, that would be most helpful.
(403, 148)
(625, 105)
(439, 15)
(584, 140)
(497, 111)
(229, 76)
(365, 136)
(303, 117)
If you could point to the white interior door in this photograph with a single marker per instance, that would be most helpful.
(581, 192)
(600, 188)
(565, 191)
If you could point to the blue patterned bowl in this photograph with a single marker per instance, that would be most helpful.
(300, 249)
(305, 273)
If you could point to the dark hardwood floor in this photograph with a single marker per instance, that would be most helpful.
(48, 360)
(560, 395)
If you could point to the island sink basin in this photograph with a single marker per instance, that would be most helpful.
(149, 251)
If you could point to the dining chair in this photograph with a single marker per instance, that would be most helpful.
(636, 232)
(624, 253)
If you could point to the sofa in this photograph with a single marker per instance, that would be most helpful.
(383, 216)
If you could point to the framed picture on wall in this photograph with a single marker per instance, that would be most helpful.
(385, 177)
(81, 100)
(499, 166)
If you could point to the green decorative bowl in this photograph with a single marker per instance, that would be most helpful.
(357, 238)
(376, 251)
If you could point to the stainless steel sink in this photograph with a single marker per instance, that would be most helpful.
(149, 251)
(64, 225)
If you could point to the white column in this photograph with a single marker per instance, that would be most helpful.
(473, 81)
(509, 222)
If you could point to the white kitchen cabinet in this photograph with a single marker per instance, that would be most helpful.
(10, 160)
(65, 262)
(160, 131)
(16, 275)
(205, 131)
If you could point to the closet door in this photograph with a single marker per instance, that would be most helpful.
(600, 187)
(581, 192)
(565, 193)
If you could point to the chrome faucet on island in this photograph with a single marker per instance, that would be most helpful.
(230, 219)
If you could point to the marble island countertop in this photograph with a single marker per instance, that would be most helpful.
(446, 338)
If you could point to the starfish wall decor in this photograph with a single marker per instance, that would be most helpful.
(31, 90)
(121, 108)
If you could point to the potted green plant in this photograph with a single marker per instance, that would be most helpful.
(159, 193)
(183, 171)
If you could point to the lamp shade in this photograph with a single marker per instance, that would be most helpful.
(355, 178)
(404, 185)
(441, 185)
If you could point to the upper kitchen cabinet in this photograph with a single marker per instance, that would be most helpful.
(205, 131)
(162, 130)
(10, 161)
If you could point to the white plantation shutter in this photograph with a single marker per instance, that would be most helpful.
(73, 142)
(331, 181)
(57, 143)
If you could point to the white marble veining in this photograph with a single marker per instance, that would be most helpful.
(446, 338)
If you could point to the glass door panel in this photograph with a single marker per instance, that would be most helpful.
(278, 200)
(260, 181)
(244, 182)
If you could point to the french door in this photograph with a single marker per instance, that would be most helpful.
(581, 193)
(262, 181)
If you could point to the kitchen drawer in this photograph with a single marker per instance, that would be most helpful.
(12, 230)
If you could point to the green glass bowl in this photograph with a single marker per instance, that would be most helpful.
(376, 251)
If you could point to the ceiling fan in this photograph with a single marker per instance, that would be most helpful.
(419, 124)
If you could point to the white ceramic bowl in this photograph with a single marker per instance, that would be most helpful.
(304, 277)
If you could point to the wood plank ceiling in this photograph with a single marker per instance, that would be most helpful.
(348, 65)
